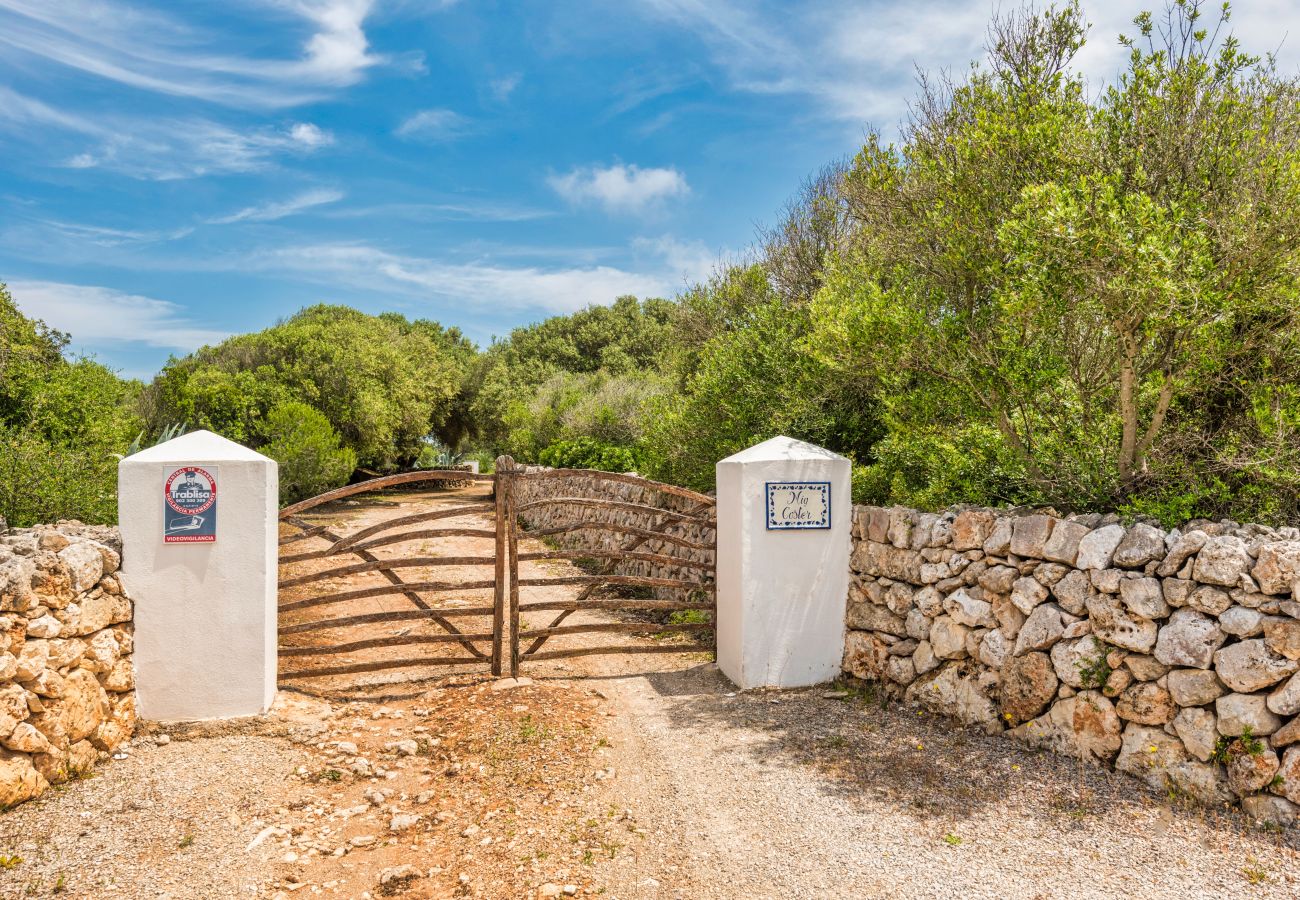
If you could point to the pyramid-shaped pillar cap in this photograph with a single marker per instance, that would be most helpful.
(782, 448)
(199, 446)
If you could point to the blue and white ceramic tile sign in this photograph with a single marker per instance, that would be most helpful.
(798, 505)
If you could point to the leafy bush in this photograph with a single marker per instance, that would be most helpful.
(307, 448)
(589, 453)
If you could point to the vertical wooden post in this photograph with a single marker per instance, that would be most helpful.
(499, 598)
(512, 532)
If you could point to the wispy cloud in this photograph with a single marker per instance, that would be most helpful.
(619, 188)
(101, 316)
(103, 236)
(479, 211)
(502, 88)
(434, 125)
(270, 212)
(153, 148)
(484, 285)
(151, 51)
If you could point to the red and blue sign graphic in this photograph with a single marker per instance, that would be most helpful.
(190, 506)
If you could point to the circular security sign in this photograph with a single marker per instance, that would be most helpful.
(190, 506)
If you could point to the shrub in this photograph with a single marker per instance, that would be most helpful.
(589, 453)
(306, 446)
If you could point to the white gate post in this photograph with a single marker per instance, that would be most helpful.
(205, 605)
(784, 516)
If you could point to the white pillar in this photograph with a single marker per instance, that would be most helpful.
(783, 564)
(205, 610)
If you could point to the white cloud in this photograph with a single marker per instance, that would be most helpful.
(857, 61)
(684, 262)
(619, 188)
(484, 285)
(152, 51)
(503, 87)
(154, 148)
(100, 316)
(270, 212)
(434, 125)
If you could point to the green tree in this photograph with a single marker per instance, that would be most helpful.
(1105, 290)
(382, 382)
(307, 448)
(61, 422)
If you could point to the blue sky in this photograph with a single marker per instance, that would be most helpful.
(174, 172)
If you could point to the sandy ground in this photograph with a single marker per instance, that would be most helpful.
(623, 777)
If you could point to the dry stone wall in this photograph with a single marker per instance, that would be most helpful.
(1173, 656)
(558, 514)
(66, 678)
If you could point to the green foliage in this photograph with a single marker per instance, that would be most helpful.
(746, 376)
(308, 450)
(63, 424)
(1095, 298)
(382, 382)
(583, 375)
(590, 453)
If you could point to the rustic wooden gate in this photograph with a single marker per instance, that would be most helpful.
(646, 556)
(426, 607)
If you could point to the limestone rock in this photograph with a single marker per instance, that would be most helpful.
(1077, 660)
(1041, 630)
(1285, 699)
(45, 627)
(956, 690)
(900, 669)
(19, 779)
(1149, 752)
(1146, 703)
(1203, 783)
(929, 601)
(1184, 546)
(1251, 666)
(1029, 535)
(84, 705)
(1287, 734)
(969, 611)
(1027, 593)
(1195, 687)
(1010, 618)
(971, 528)
(998, 579)
(85, 565)
(1290, 772)
(1084, 726)
(1250, 771)
(1140, 545)
(1063, 544)
(1209, 600)
(998, 543)
(121, 677)
(994, 649)
(923, 658)
(1097, 548)
(1115, 625)
(1223, 560)
(1027, 684)
(865, 655)
(948, 638)
(1072, 592)
(1198, 730)
(870, 617)
(1145, 668)
(1189, 638)
(1239, 712)
(1269, 810)
(1144, 597)
(1240, 621)
(26, 739)
(917, 625)
(1282, 636)
(117, 728)
(1277, 567)
(32, 660)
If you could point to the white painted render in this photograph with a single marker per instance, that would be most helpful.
(781, 594)
(205, 614)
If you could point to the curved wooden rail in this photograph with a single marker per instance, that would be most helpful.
(703, 521)
(620, 555)
(645, 533)
(363, 549)
(382, 565)
(629, 580)
(375, 484)
(406, 587)
(636, 480)
(369, 643)
(380, 665)
(401, 615)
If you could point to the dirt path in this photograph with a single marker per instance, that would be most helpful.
(623, 777)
